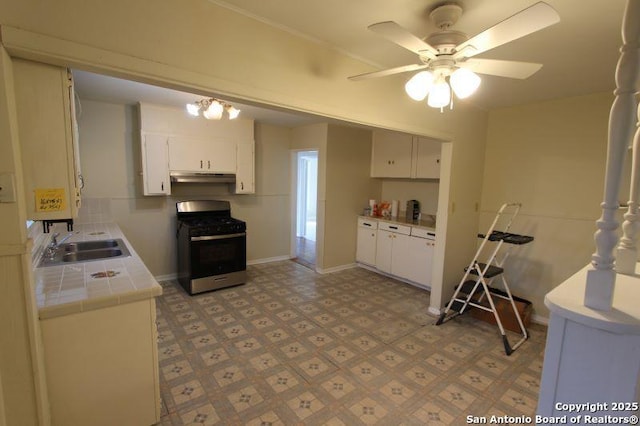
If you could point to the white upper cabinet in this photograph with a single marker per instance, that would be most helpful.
(155, 165)
(202, 156)
(45, 115)
(173, 141)
(427, 158)
(399, 155)
(391, 154)
(245, 168)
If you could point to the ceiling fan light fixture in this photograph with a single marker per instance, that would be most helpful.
(419, 85)
(464, 82)
(439, 95)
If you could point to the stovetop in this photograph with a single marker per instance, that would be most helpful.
(202, 226)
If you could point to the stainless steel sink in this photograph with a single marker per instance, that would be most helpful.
(79, 256)
(86, 251)
(90, 245)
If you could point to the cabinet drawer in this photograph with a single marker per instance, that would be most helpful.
(423, 233)
(366, 223)
(394, 227)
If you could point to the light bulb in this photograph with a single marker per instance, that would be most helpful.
(233, 112)
(418, 86)
(193, 109)
(440, 95)
(464, 82)
(214, 112)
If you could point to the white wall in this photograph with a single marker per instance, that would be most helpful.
(425, 191)
(551, 157)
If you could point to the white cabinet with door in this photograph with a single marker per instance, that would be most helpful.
(391, 154)
(45, 114)
(202, 156)
(366, 241)
(391, 247)
(245, 168)
(420, 256)
(426, 158)
(399, 155)
(404, 251)
(155, 164)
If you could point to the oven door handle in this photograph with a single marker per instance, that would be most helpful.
(218, 237)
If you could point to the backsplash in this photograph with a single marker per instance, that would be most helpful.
(426, 192)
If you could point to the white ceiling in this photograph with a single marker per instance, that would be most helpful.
(579, 54)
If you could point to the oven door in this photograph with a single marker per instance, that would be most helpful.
(218, 254)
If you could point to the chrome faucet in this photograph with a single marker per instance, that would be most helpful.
(52, 248)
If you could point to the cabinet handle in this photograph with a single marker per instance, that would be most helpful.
(393, 227)
(201, 166)
(162, 186)
(242, 185)
(209, 164)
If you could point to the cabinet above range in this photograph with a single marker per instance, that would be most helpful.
(179, 148)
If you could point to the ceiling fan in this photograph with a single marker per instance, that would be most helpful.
(447, 55)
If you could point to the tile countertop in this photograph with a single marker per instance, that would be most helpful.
(79, 287)
(429, 224)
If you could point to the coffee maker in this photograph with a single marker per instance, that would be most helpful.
(413, 210)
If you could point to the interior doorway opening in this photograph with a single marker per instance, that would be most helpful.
(306, 207)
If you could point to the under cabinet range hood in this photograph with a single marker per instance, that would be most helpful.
(192, 177)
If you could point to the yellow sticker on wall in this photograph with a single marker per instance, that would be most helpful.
(50, 199)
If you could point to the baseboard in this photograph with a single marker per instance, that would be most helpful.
(335, 268)
(540, 320)
(268, 260)
(167, 277)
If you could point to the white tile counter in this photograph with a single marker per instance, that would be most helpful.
(80, 287)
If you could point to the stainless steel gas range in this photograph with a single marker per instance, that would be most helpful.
(211, 246)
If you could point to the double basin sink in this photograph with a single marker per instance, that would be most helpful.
(85, 251)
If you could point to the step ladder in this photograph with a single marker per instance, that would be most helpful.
(475, 288)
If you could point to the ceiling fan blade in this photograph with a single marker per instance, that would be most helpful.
(402, 37)
(390, 71)
(523, 23)
(511, 69)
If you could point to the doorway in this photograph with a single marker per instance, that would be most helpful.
(306, 207)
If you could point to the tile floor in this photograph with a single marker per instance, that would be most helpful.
(306, 252)
(292, 347)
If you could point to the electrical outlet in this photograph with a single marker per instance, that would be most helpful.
(7, 188)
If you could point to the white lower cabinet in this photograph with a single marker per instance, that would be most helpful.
(391, 247)
(399, 250)
(366, 242)
(419, 260)
(102, 366)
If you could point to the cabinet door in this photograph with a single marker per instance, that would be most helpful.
(45, 131)
(245, 183)
(186, 155)
(420, 256)
(155, 165)
(366, 246)
(400, 255)
(427, 158)
(219, 156)
(391, 154)
(384, 248)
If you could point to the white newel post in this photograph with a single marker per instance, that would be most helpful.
(592, 354)
(627, 256)
(601, 278)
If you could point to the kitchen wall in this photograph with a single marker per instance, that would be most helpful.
(348, 187)
(550, 157)
(110, 159)
(425, 191)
